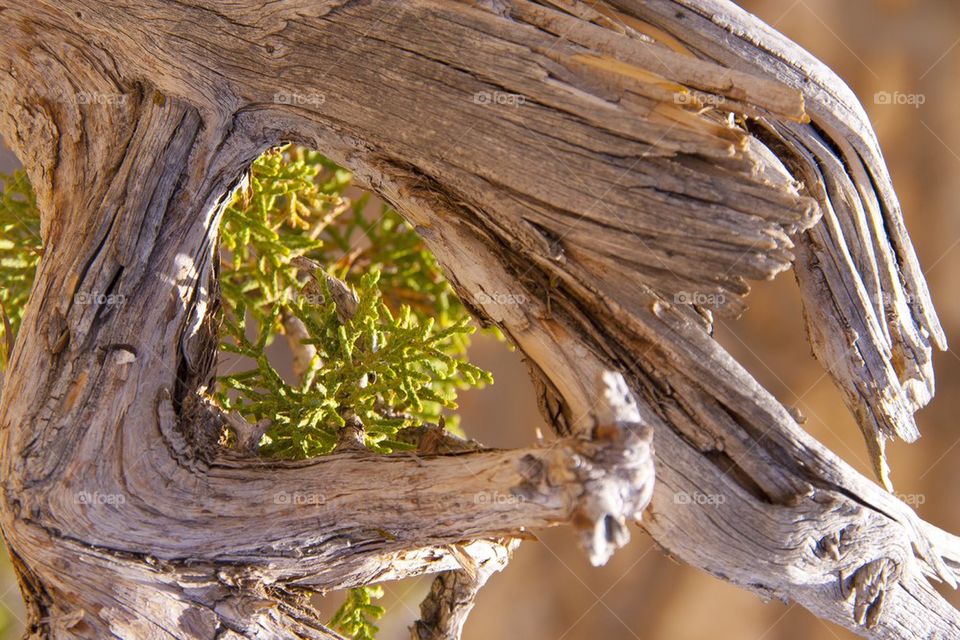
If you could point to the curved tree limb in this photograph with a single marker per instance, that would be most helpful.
(445, 609)
(869, 315)
(620, 169)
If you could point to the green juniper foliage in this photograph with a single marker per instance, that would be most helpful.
(20, 250)
(389, 334)
(394, 361)
(278, 216)
(356, 615)
(389, 370)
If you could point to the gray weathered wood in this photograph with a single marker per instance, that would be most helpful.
(596, 178)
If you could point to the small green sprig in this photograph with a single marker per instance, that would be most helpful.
(398, 363)
(20, 250)
(389, 370)
(410, 274)
(356, 615)
(295, 205)
(291, 197)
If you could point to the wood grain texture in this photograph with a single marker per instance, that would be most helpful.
(596, 179)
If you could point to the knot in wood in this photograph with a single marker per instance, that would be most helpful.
(870, 584)
(605, 479)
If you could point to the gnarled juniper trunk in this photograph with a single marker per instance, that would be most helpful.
(548, 151)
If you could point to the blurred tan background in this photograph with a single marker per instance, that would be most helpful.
(549, 591)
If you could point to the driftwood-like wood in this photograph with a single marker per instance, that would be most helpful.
(596, 178)
(445, 609)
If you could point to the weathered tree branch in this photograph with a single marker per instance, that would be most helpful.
(329, 512)
(445, 609)
(869, 314)
(615, 171)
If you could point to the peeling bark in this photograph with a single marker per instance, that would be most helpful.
(445, 609)
(596, 178)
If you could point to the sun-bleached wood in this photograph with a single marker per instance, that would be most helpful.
(596, 178)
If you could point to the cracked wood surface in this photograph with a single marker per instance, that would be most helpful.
(622, 167)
